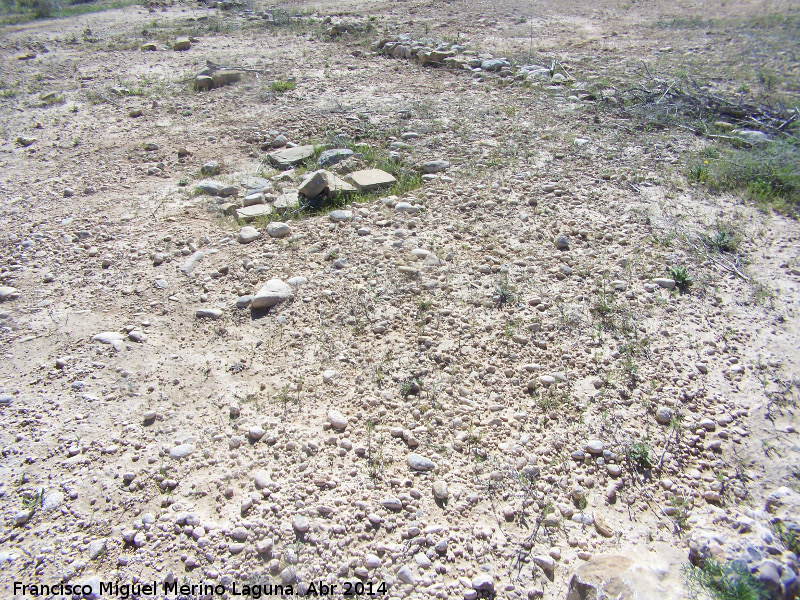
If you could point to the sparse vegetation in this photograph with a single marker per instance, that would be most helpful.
(768, 174)
(542, 384)
(281, 86)
(717, 581)
(639, 456)
(681, 277)
(723, 238)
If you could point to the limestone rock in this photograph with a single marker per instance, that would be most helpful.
(371, 179)
(314, 185)
(249, 213)
(627, 578)
(271, 294)
(192, 262)
(331, 157)
(289, 157)
(248, 234)
(417, 462)
(7, 292)
(668, 284)
(208, 313)
(337, 420)
(276, 229)
(287, 201)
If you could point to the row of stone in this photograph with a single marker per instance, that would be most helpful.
(456, 57)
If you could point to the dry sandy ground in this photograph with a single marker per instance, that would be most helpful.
(458, 331)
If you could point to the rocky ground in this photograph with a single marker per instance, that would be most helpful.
(479, 381)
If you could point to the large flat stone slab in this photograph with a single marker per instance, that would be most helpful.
(337, 185)
(331, 157)
(249, 213)
(371, 179)
(286, 158)
(287, 201)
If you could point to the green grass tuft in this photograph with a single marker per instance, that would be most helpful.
(279, 87)
(768, 175)
(715, 581)
(30, 10)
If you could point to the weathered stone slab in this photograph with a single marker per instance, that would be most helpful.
(371, 179)
(289, 157)
(288, 200)
(249, 213)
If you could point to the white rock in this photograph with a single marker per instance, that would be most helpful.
(483, 583)
(392, 504)
(337, 420)
(271, 294)
(21, 517)
(181, 451)
(405, 575)
(192, 262)
(108, 337)
(248, 234)
(594, 447)
(276, 229)
(665, 283)
(419, 463)
(96, 548)
(262, 479)
(440, 491)
(52, 501)
(301, 523)
(8, 292)
(423, 561)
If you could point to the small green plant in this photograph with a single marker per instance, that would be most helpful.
(681, 511)
(698, 172)
(724, 239)
(283, 397)
(40, 8)
(768, 78)
(716, 581)
(505, 293)
(409, 387)
(279, 86)
(639, 456)
(681, 277)
(789, 535)
(7, 92)
(34, 501)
